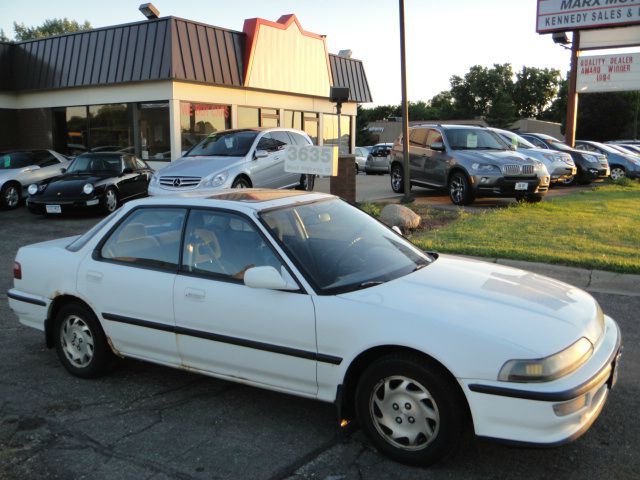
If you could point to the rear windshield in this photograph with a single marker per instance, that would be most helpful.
(225, 144)
(16, 160)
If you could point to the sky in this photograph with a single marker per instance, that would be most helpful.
(443, 37)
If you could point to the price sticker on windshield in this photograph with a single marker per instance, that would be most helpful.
(312, 160)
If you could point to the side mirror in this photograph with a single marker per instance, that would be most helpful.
(268, 278)
(437, 146)
(260, 154)
(63, 170)
(127, 171)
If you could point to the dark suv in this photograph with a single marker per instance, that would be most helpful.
(591, 166)
(470, 162)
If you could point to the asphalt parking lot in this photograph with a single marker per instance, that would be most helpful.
(149, 422)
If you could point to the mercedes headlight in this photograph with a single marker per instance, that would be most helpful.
(155, 180)
(485, 168)
(548, 368)
(589, 158)
(88, 189)
(33, 189)
(216, 179)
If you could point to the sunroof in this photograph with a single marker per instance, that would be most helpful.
(257, 195)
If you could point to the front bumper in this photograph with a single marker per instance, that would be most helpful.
(526, 413)
(157, 191)
(486, 186)
(39, 206)
(594, 171)
(564, 172)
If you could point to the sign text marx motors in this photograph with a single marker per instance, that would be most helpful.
(565, 15)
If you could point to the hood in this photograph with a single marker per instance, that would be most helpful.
(536, 313)
(73, 184)
(498, 157)
(199, 166)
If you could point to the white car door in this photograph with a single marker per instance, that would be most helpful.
(129, 279)
(224, 327)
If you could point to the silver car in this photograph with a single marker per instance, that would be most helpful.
(559, 164)
(21, 168)
(379, 159)
(252, 157)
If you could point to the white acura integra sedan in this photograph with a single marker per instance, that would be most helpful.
(304, 294)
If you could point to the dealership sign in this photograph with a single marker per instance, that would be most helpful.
(565, 15)
(609, 73)
(311, 159)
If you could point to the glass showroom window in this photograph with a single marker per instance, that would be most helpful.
(249, 117)
(76, 129)
(110, 128)
(197, 120)
(305, 121)
(154, 131)
(330, 131)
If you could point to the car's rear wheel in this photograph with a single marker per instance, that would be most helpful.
(80, 342)
(10, 196)
(306, 182)
(397, 178)
(410, 408)
(460, 190)
(617, 173)
(241, 182)
(110, 200)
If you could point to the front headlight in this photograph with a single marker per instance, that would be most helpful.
(567, 159)
(549, 368)
(538, 165)
(216, 179)
(33, 189)
(485, 168)
(589, 158)
(155, 180)
(88, 189)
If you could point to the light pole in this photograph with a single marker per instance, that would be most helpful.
(407, 198)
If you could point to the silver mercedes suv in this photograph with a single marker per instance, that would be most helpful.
(470, 162)
(251, 157)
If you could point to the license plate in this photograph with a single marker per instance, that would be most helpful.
(53, 209)
(522, 186)
(574, 171)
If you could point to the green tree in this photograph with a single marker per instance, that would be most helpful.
(606, 116)
(474, 94)
(502, 112)
(534, 90)
(3, 37)
(52, 26)
(444, 106)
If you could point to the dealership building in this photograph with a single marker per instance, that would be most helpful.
(159, 86)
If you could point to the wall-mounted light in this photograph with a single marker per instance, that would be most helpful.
(149, 11)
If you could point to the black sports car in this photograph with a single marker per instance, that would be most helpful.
(93, 180)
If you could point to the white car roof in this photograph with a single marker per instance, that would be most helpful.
(257, 199)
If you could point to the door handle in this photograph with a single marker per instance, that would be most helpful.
(194, 293)
(94, 276)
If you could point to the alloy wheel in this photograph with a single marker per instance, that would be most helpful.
(111, 200)
(404, 413)
(457, 190)
(76, 340)
(396, 179)
(617, 173)
(12, 196)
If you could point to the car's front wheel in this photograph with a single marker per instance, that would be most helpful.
(617, 173)
(110, 200)
(397, 178)
(307, 182)
(411, 409)
(10, 196)
(80, 342)
(241, 182)
(460, 190)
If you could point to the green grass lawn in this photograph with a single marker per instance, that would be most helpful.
(598, 228)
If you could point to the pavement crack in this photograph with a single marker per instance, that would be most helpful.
(590, 279)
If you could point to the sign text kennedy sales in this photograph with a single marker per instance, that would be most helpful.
(565, 15)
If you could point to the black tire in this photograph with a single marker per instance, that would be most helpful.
(443, 410)
(357, 169)
(460, 191)
(531, 198)
(617, 173)
(75, 328)
(111, 201)
(585, 182)
(10, 195)
(397, 178)
(241, 182)
(306, 182)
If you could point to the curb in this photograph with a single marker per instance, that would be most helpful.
(598, 281)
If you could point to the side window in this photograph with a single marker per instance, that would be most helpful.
(129, 162)
(224, 245)
(140, 164)
(267, 143)
(433, 137)
(418, 137)
(299, 139)
(148, 237)
(282, 139)
(537, 142)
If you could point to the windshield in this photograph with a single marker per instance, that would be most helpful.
(474, 139)
(340, 248)
(516, 140)
(15, 160)
(225, 144)
(95, 164)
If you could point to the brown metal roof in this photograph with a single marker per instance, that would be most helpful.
(167, 48)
